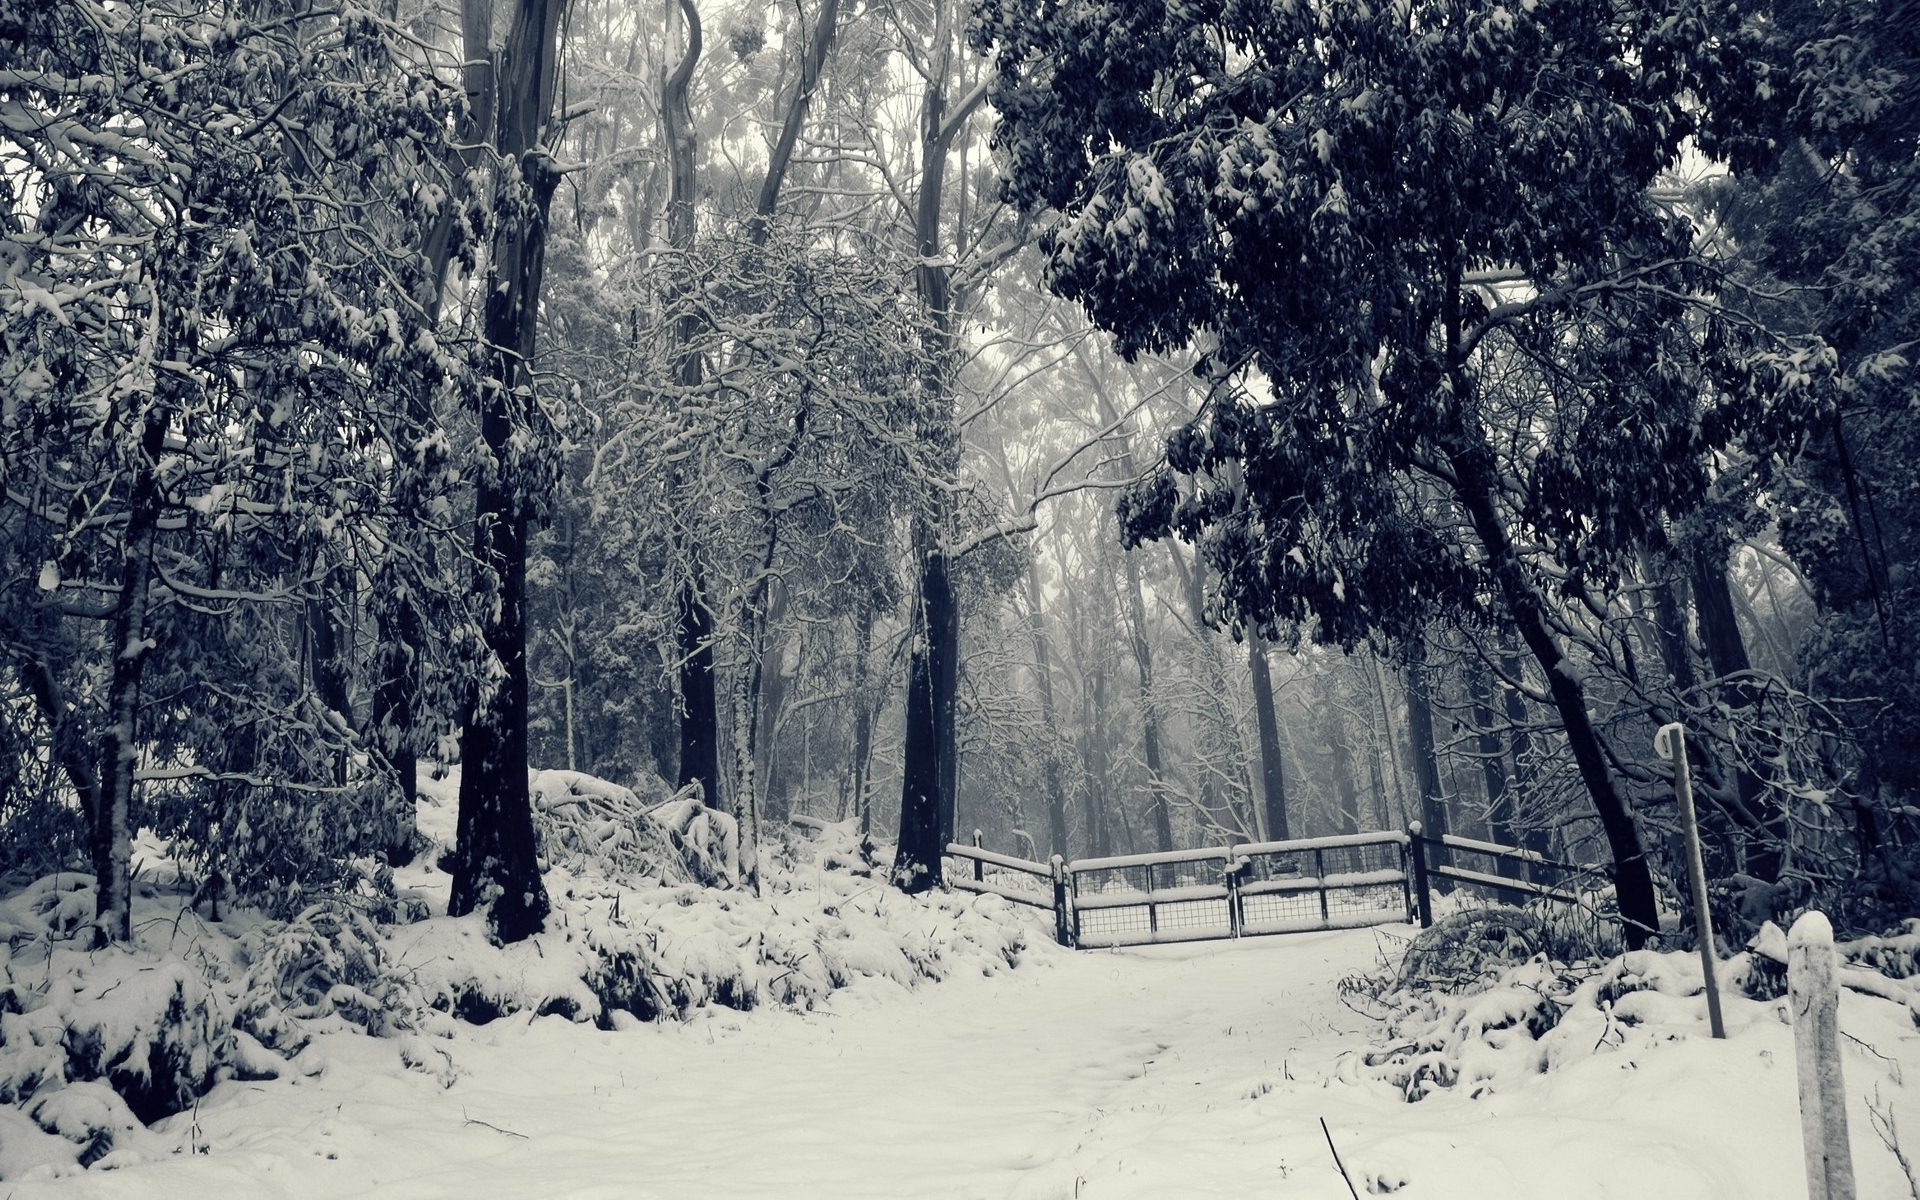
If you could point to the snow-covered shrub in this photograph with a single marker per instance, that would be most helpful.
(1439, 1038)
(1462, 946)
(592, 825)
(708, 841)
(324, 969)
(154, 1031)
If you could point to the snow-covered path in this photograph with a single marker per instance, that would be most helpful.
(1200, 1070)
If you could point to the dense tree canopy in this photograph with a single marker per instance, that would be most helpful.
(1465, 351)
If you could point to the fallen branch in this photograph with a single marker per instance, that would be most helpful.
(490, 1125)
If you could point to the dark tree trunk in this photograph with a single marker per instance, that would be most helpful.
(929, 768)
(700, 711)
(930, 771)
(812, 62)
(68, 750)
(1633, 881)
(699, 695)
(1273, 785)
(496, 861)
(110, 836)
(1426, 765)
(327, 666)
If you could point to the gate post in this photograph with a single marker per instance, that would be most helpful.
(1416, 846)
(1062, 931)
(979, 868)
(1320, 875)
(1235, 919)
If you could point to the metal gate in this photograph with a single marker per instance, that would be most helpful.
(1251, 888)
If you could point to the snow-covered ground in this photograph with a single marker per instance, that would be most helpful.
(1196, 1070)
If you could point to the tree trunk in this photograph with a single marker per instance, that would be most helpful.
(863, 715)
(110, 835)
(1221, 734)
(1492, 764)
(930, 771)
(495, 860)
(1273, 787)
(1426, 766)
(1633, 882)
(699, 696)
(1346, 792)
(926, 798)
(1043, 678)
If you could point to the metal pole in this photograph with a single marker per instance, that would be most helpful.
(1417, 845)
(979, 868)
(1671, 744)
(1320, 876)
(1061, 932)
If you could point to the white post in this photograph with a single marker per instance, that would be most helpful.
(1814, 998)
(1671, 744)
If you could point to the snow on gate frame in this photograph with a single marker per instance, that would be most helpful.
(1341, 882)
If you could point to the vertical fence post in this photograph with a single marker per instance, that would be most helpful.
(1814, 997)
(979, 868)
(1416, 846)
(1153, 912)
(1234, 867)
(1671, 744)
(1320, 876)
(1062, 930)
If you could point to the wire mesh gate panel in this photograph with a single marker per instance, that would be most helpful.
(1178, 896)
(1260, 887)
(1322, 883)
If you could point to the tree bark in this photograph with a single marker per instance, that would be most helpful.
(495, 862)
(396, 688)
(926, 798)
(931, 767)
(699, 695)
(110, 835)
(1426, 766)
(1273, 787)
(1473, 485)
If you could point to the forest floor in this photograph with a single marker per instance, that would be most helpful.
(1197, 1070)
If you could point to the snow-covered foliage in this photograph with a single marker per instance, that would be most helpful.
(94, 1044)
(1483, 1021)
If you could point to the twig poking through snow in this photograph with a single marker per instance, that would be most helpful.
(1881, 1118)
(489, 1125)
(1351, 1190)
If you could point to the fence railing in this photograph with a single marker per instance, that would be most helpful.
(1252, 888)
(1534, 877)
(1018, 880)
